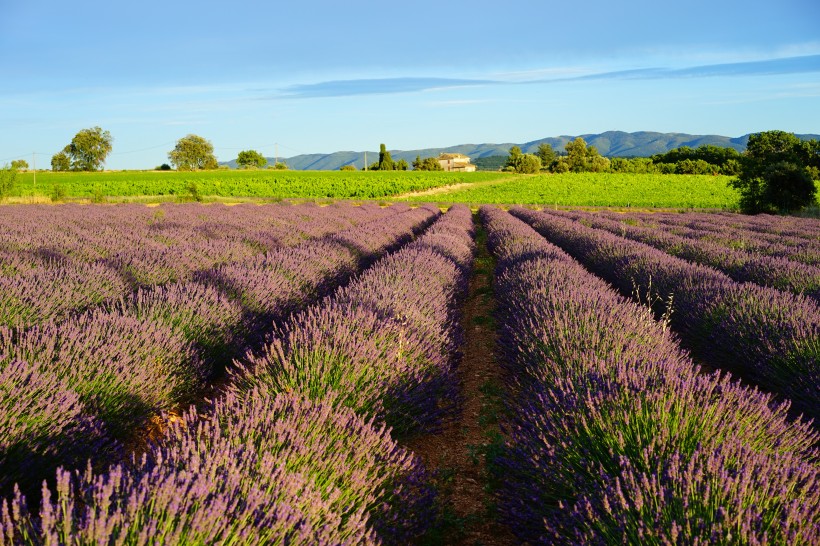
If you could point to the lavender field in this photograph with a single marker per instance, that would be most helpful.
(263, 374)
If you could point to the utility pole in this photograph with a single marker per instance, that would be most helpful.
(365, 160)
(275, 153)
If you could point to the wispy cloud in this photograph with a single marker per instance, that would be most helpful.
(459, 102)
(768, 67)
(345, 88)
(381, 86)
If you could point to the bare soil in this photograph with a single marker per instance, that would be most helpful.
(456, 451)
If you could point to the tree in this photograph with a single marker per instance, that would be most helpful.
(19, 164)
(595, 162)
(775, 173)
(513, 159)
(280, 166)
(60, 162)
(8, 177)
(347, 168)
(546, 154)
(561, 165)
(528, 164)
(385, 161)
(731, 167)
(88, 149)
(427, 164)
(192, 153)
(251, 158)
(577, 155)
(522, 163)
(401, 165)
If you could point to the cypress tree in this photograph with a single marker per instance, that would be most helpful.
(385, 161)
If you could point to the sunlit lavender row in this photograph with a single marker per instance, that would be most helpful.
(741, 265)
(251, 374)
(801, 245)
(767, 336)
(281, 466)
(615, 437)
(58, 261)
(120, 365)
(779, 225)
(387, 342)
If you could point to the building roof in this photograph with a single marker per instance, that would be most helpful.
(453, 156)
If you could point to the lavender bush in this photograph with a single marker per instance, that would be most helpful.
(740, 265)
(43, 423)
(278, 470)
(724, 496)
(124, 370)
(204, 316)
(44, 294)
(600, 394)
(779, 331)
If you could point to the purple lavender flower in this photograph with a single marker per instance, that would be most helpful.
(599, 391)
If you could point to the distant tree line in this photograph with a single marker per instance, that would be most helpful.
(89, 149)
(775, 174)
(577, 156)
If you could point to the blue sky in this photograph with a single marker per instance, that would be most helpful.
(318, 77)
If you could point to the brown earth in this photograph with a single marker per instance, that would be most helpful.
(456, 452)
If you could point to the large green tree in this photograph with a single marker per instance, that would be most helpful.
(193, 153)
(88, 149)
(251, 158)
(776, 173)
(546, 154)
(582, 158)
(577, 155)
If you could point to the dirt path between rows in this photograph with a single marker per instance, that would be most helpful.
(456, 453)
(448, 189)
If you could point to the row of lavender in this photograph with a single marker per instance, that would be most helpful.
(60, 261)
(87, 384)
(798, 241)
(741, 265)
(778, 225)
(297, 451)
(614, 435)
(765, 335)
(87, 234)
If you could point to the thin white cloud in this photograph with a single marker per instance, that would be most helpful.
(382, 86)
(458, 102)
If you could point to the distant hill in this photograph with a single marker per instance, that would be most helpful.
(610, 144)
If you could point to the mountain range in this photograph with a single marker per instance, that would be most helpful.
(609, 143)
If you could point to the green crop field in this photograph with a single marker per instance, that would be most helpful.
(571, 189)
(222, 184)
(599, 190)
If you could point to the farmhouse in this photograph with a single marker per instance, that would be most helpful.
(456, 162)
